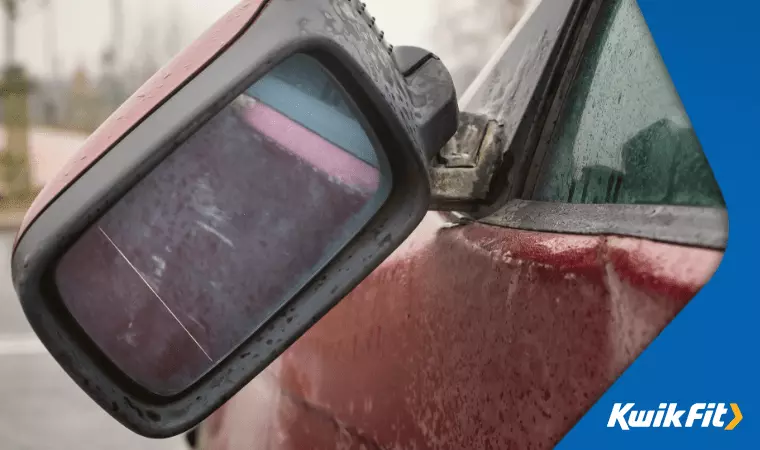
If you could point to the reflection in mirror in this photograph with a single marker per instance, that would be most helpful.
(220, 235)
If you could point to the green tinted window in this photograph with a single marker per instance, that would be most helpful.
(624, 136)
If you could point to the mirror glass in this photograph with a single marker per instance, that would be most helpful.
(229, 227)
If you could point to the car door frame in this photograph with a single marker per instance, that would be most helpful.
(533, 124)
(511, 205)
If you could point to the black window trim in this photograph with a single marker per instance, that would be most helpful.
(548, 127)
(685, 225)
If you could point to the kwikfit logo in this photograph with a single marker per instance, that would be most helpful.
(668, 415)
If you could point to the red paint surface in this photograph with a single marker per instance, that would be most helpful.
(161, 86)
(475, 337)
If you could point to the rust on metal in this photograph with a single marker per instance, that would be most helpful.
(465, 167)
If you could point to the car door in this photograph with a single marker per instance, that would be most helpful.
(503, 332)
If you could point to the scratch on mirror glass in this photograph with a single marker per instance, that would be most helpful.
(142, 277)
(215, 232)
(204, 202)
(197, 322)
(160, 265)
(130, 337)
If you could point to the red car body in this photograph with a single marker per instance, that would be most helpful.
(471, 337)
(481, 335)
(476, 335)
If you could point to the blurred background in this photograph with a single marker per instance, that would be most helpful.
(65, 66)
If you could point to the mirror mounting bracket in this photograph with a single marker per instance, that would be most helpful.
(462, 172)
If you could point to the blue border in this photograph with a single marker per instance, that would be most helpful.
(709, 352)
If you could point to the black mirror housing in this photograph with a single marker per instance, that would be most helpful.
(408, 106)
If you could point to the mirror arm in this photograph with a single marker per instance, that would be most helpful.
(462, 171)
(462, 166)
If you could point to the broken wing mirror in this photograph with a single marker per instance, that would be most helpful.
(228, 205)
(212, 242)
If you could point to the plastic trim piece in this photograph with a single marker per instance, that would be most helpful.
(694, 226)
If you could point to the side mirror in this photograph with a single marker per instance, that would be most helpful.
(228, 205)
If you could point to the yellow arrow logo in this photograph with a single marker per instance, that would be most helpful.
(737, 417)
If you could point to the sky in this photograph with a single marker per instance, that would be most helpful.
(83, 27)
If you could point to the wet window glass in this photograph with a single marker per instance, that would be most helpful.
(624, 136)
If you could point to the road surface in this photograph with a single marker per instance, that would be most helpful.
(40, 407)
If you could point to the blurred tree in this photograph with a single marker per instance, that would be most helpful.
(468, 32)
(175, 38)
(14, 89)
(15, 178)
(158, 43)
(148, 59)
(10, 8)
(110, 88)
(47, 96)
(83, 104)
(12, 11)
